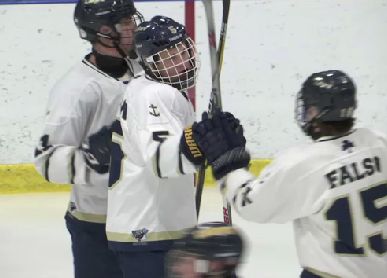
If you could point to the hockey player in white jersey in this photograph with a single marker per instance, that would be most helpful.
(74, 146)
(334, 189)
(151, 201)
(151, 196)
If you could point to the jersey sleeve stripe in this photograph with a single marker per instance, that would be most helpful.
(158, 161)
(181, 163)
(47, 165)
(72, 167)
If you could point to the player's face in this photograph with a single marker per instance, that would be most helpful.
(174, 62)
(184, 267)
(123, 31)
(125, 28)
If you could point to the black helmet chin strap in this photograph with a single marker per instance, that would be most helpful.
(115, 43)
(114, 66)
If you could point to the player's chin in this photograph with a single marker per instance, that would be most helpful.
(126, 47)
(186, 75)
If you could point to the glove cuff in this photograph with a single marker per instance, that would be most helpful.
(234, 159)
(189, 147)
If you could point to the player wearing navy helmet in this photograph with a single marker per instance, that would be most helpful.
(212, 249)
(151, 195)
(154, 154)
(326, 99)
(108, 25)
(74, 147)
(333, 189)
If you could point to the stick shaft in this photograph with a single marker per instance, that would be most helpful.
(216, 58)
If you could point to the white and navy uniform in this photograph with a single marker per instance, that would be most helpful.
(151, 194)
(80, 104)
(335, 191)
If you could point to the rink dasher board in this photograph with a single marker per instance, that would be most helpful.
(23, 178)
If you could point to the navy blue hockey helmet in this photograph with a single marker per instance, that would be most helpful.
(333, 95)
(91, 15)
(159, 33)
(211, 242)
(154, 38)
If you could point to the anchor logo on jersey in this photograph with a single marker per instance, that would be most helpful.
(155, 111)
(140, 234)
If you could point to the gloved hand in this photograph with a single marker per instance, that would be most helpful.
(212, 137)
(224, 146)
(232, 129)
(97, 150)
(219, 134)
(201, 135)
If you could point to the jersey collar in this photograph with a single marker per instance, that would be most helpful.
(329, 138)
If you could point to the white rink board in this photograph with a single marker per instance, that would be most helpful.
(271, 48)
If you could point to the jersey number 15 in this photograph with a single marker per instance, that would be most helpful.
(372, 206)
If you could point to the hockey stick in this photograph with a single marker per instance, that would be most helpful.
(216, 57)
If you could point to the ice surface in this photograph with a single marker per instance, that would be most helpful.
(34, 242)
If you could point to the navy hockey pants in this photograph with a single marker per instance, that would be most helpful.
(146, 264)
(92, 257)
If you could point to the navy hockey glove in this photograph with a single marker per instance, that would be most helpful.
(97, 151)
(233, 130)
(211, 137)
(223, 133)
(234, 159)
(224, 144)
(205, 133)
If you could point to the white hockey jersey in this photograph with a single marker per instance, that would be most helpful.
(335, 190)
(81, 103)
(151, 195)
